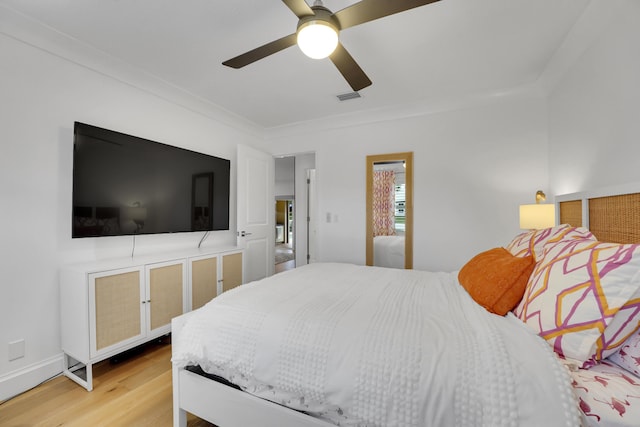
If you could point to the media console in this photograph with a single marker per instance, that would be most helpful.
(110, 306)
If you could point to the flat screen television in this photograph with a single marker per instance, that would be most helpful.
(125, 185)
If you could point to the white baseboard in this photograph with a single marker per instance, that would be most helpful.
(19, 381)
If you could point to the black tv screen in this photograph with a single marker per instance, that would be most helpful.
(125, 185)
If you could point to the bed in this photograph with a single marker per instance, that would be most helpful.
(388, 251)
(339, 344)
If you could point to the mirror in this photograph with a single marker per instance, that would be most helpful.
(390, 210)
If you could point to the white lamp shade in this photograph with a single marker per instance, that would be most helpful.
(317, 39)
(537, 216)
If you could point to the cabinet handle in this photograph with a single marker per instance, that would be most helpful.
(147, 301)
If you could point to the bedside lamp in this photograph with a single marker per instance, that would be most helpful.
(539, 215)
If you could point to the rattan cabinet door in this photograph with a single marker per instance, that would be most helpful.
(116, 313)
(204, 281)
(166, 295)
(231, 271)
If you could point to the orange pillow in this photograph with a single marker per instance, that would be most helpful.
(496, 279)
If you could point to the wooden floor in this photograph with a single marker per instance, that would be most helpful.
(284, 266)
(134, 392)
(284, 248)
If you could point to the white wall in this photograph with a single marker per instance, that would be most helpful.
(284, 185)
(42, 95)
(473, 167)
(594, 111)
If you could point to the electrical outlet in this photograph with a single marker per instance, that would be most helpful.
(16, 349)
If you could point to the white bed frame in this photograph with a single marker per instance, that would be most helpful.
(225, 406)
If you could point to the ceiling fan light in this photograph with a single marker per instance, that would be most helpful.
(317, 39)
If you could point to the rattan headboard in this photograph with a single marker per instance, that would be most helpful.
(611, 218)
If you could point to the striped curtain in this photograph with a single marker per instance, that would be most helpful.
(383, 203)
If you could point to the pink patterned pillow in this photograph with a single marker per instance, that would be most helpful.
(574, 293)
(522, 244)
(533, 241)
(624, 324)
(628, 357)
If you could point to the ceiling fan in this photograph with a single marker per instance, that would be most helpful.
(326, 25)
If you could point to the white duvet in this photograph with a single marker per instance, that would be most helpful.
(368, 346)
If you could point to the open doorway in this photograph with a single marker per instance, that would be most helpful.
(285, 250)
(295, 193)
(284, 253)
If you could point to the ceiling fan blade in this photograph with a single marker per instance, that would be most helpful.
(299, 7)
(261, 52)
(369, 10)
(349, 68)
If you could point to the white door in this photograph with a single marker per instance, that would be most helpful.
(255, 216)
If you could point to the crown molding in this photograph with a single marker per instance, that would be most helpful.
(40, 36)
(416, 109)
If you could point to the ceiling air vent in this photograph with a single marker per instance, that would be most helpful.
(348, 96)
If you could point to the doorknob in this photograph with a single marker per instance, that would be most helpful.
(243, 233)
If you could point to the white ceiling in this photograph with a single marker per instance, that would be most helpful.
(443, 50)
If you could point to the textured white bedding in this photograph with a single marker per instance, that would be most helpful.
(378, 347)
